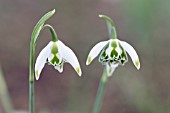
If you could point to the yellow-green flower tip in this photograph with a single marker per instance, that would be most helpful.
(137, 64)
(78, 70)
(36, 75)
(88, 60)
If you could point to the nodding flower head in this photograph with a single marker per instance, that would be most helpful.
(56, 54)
(113, 52)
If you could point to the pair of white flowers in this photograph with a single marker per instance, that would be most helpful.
(112, 53)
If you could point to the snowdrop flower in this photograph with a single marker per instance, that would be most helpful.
(113, 52)
(56, 54)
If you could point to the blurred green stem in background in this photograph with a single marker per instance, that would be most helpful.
(4, 94)
(101, 88)
(35, 34)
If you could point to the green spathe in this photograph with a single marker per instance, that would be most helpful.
(111, 26)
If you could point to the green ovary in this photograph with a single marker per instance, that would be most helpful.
(54, 49)
(114, 44)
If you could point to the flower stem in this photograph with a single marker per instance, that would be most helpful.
(31, 99)
(101, 88)
(31, 79)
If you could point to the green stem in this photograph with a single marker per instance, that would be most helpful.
(101, 88)
(31, 78)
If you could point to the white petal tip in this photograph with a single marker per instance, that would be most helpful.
(60, 71)
(37, 75)
(78, 70)
(131, 51)
(88, 60)
(59, 68)
(137, 64)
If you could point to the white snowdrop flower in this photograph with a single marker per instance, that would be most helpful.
(112, 53)
(56, 54)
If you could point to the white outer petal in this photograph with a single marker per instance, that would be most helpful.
(95, 51)
(69, 56)
(132, 53)
(41, 59)
(110, 69)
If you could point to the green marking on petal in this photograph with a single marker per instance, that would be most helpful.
(103, 53)
(36, 74)
(55, 60)
(78, 70)
(89, 60)
(137, 64)
(60, 66)
(113, 53)
(54, 49)
(123, 55)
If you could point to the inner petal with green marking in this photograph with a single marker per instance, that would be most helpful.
(113, 53)
(55, 58)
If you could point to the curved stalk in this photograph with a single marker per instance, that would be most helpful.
(53, 33)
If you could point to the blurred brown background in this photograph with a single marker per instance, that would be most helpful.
(145, 24)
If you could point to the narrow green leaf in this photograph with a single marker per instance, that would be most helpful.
(40, 24)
